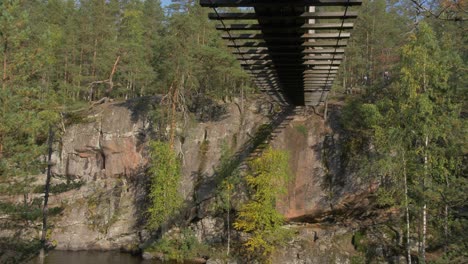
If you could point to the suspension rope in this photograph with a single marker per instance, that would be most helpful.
(336, 47)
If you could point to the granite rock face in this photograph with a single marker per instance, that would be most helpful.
(111, 144)
(107, 154)
(321, 189)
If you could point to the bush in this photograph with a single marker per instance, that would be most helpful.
(179, 246)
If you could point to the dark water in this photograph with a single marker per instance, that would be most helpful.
(89, 257)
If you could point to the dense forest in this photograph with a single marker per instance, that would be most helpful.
(406, 126)
(60, 55)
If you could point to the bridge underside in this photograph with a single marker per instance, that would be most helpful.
(292, 49)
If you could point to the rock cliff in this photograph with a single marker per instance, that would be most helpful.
(106, 155)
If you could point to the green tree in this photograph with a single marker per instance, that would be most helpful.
(378, 33)
(268, 176)
(16, 56)
(411, 138)
(165, 176)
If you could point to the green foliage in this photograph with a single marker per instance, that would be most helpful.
(359, 241)
(414, 119)
(73, 50)
(359, 259)
(269, 174)
(14, 251)
(179, 246)
(60, 188)
(26, 115)
(26, 212)
(229, 177)
(164, 171)
(374, 47)
(301, 129)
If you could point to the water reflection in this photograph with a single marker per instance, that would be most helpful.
(90, 257)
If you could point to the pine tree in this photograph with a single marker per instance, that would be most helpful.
(15, 55)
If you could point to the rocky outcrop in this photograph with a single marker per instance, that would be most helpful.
(321, 189)
(109, 144)
(318, 244)
(107, 154)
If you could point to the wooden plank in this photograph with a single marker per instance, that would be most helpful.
(264, 50)
(330, 15)
(239, 27)
(340, 35)
(319, 71)
(328, 26)
(285, 29)
(319, 82)
(305, 15)
(283, 67)
(311, 79)
(340, 43)
(299, 27)
(315, 86)
(291, 56)
(288, 58)
(317, 79)
(232, 16)
(323, 51)
(257, 27)
(290, 63)
(268, 59)
(326, 68)
(269, 3)
(323, 57)
(271, 64)
(326, 44)
(242, 36)
(253, 57)
(334, 62)
(317, 90)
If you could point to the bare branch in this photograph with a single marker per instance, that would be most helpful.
(422, 8)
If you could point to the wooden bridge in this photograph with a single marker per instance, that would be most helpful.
(292, 48)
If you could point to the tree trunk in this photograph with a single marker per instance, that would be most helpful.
(80, 72)
(408, 248)
(45, 209)
(424, 230)
(325, 112)
(229, 222)
(94, 59)
(111, 76)
(446, 213)
(424, 210)
(242, 99)
(5, 64)
(173, 115)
